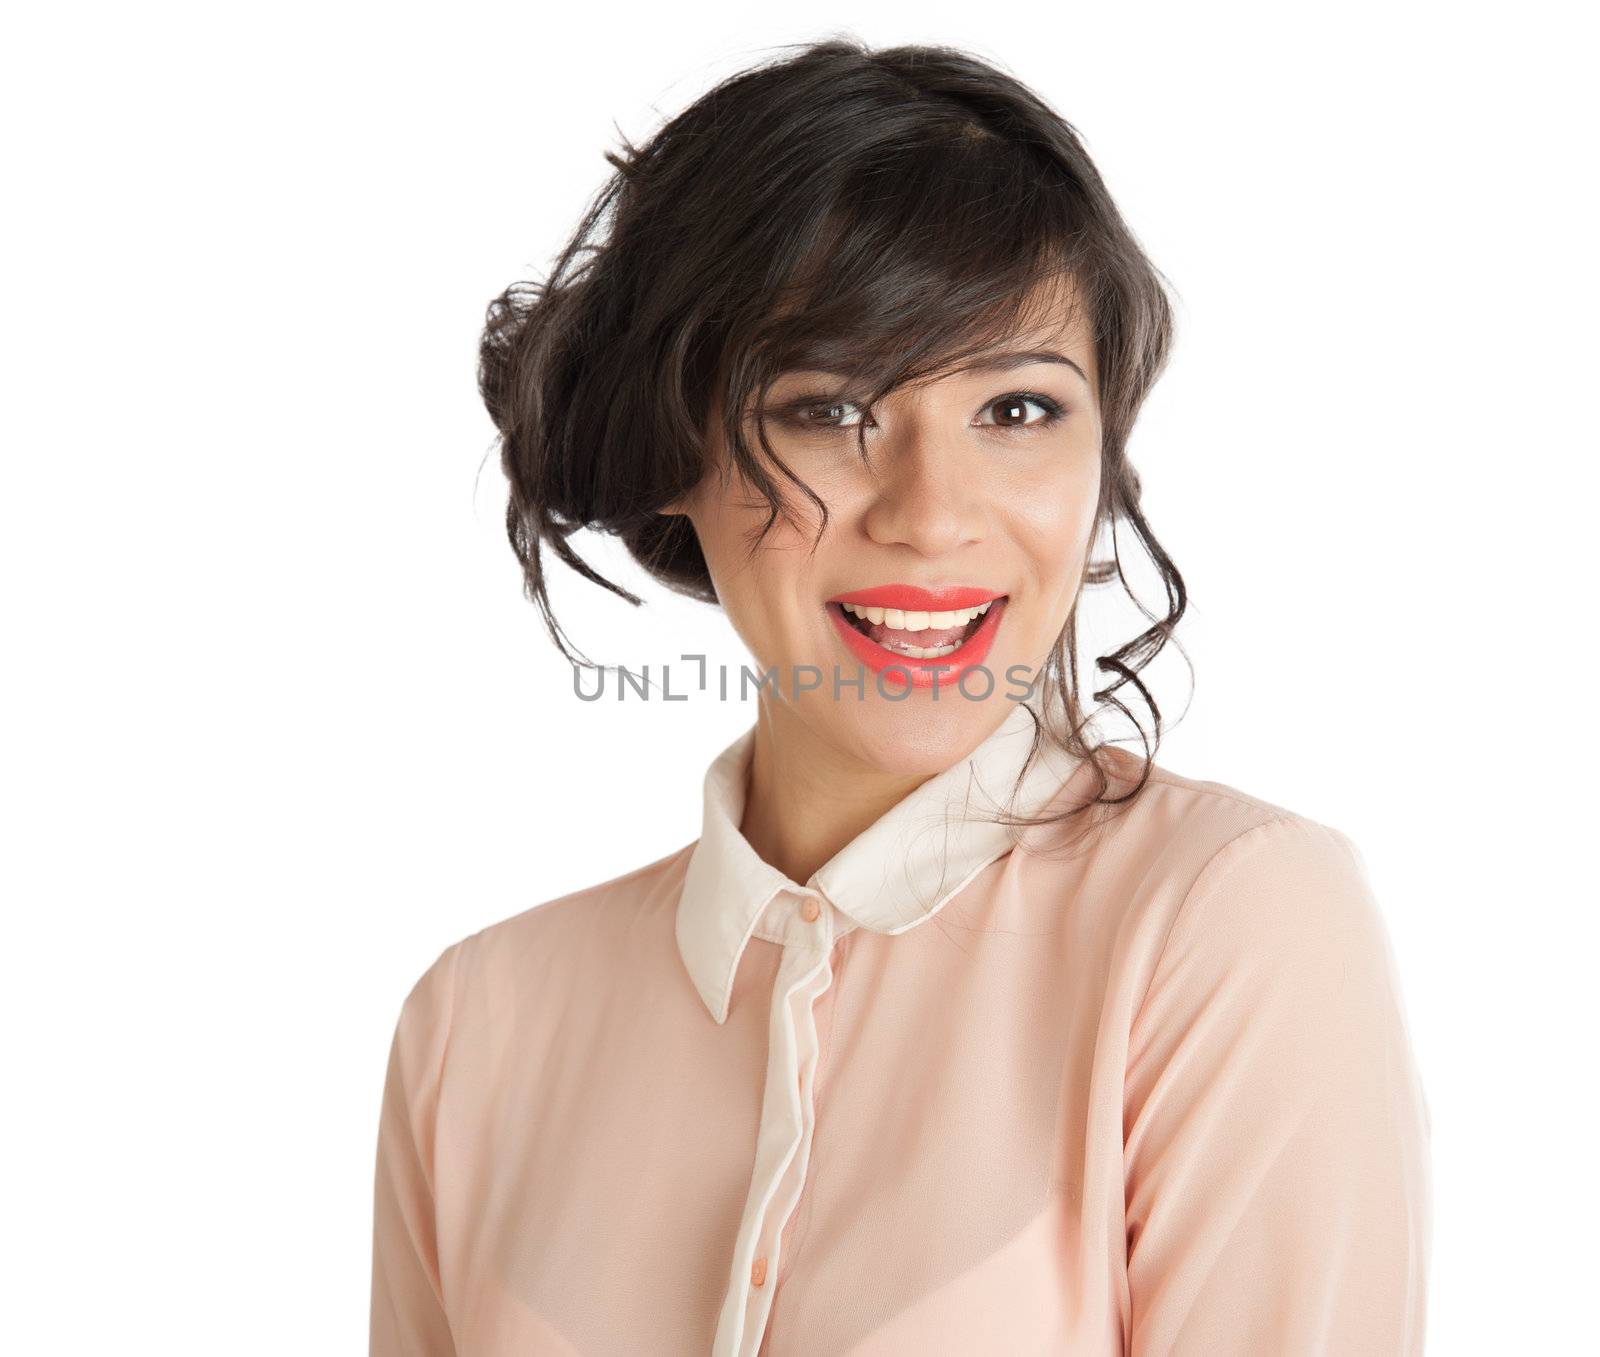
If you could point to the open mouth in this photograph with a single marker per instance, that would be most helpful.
(916, 635)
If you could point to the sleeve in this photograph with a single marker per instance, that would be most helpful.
(408, 1317)
(1276, 1150)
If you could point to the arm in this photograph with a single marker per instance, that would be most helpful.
(407, 1316)
(1276, 1129)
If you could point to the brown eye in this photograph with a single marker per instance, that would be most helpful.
(823, 414)
(1011, 411)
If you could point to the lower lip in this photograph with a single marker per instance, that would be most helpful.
(943, 669)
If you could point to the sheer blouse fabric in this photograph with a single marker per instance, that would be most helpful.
(1148, 1093)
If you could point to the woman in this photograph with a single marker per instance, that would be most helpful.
(957, 1030)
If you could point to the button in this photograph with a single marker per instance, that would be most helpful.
(810, 911)
(758, 1272)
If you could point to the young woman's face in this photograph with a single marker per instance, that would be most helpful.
(951, 555)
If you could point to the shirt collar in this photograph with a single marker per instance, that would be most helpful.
(897, 873)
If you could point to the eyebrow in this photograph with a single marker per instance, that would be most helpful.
(990, 362)
(1016, 358)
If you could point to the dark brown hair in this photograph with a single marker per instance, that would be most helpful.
(879, 213)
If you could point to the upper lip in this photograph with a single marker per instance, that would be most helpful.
(912, 598)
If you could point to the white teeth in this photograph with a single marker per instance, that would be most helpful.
(912, 621)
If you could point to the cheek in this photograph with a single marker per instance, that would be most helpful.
(758, 589)
(1053, 520)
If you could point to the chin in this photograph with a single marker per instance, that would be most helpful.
(915, 737)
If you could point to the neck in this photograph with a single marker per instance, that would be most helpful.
(806, 799)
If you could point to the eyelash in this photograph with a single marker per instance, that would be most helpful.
(793, 413)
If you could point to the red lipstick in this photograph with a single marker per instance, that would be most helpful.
(945, 670)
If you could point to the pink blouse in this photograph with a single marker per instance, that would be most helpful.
(1149, 1091)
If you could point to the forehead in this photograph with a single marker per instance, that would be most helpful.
(1053, 316)
(1048, 325)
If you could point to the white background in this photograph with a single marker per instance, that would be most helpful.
(279, 725)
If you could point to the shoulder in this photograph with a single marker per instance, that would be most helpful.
(1204, 827)
(1250, 897)
(612, 905)
(505, 957)
(1236, 874)
(1200, 808)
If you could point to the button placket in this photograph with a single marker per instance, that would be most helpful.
(820, 1024)
(783, 1141)
(791, 1185)
(810, 911)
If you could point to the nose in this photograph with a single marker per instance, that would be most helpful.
(926, 498)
